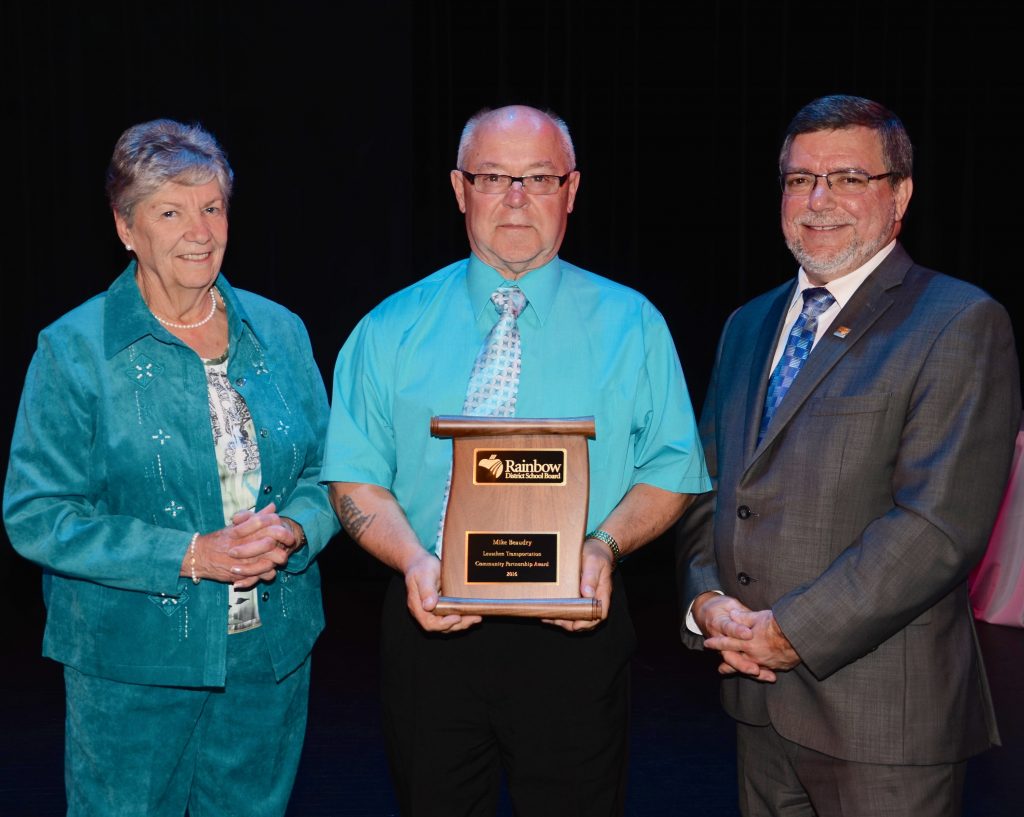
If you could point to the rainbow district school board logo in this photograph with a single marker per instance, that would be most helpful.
(532, 466)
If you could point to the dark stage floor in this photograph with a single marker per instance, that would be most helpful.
(682, 745)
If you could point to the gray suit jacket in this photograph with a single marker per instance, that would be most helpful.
(860, 514)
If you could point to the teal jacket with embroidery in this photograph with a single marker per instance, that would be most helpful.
(113, 469)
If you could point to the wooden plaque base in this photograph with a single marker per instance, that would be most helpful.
(569, 609)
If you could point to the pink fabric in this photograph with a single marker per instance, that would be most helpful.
(997, 588)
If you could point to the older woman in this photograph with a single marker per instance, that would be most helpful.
(164, 473)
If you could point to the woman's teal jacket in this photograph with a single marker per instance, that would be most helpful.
(113, 469)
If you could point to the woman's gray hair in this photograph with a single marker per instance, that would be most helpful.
(481, 116)
(153, 153)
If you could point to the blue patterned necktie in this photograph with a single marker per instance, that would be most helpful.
(798, 347)
(494, 382)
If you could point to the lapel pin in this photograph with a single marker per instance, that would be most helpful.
(842, 332)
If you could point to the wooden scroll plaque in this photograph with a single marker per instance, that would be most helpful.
(516, 517)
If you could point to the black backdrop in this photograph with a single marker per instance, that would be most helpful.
(341, 121)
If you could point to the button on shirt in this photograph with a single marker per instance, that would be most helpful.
(589, 347)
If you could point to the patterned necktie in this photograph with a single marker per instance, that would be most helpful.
(798, 347)
(494, 382)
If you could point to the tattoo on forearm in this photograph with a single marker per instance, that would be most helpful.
(352, 519)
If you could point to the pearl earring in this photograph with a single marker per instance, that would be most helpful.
(128, 247)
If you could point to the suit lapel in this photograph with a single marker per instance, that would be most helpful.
(867, 305)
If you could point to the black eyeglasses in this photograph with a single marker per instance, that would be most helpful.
(539, 184)
(840, 182)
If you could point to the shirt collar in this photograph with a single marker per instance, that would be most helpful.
(842, 288)
(540, 286)
(126, 318)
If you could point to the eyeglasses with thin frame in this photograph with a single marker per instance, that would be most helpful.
(537, 184)
(840, 182)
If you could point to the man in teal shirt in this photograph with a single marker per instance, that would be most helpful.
(462, 697)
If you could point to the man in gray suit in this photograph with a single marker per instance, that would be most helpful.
(859, 435)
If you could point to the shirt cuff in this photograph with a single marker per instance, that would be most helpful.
(691, 622)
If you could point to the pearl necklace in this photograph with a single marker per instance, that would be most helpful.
(197, 324)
